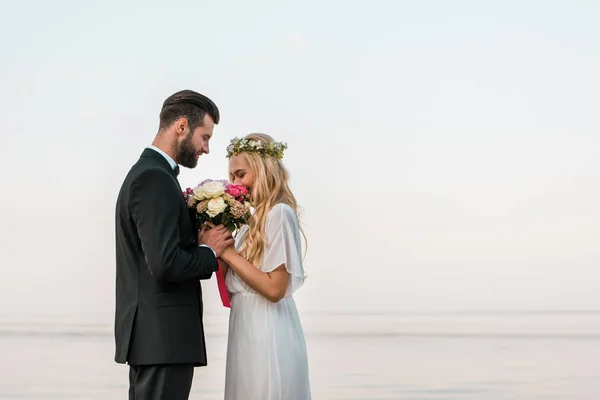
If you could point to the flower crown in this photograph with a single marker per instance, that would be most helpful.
(238, 145)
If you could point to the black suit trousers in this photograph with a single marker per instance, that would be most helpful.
(160, 382)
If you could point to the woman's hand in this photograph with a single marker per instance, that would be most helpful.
(228, 253)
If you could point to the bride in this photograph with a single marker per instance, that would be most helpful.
(266, 351)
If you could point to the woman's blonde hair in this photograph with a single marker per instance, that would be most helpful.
(270, 188)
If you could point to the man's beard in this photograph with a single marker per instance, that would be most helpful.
(185, 153)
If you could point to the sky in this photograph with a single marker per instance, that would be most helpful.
(446, 155)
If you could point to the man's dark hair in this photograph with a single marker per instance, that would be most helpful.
(190, 105)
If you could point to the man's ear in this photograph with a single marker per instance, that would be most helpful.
(182, 127)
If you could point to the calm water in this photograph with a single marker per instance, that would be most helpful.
(416, 357)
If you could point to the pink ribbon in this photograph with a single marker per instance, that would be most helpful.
(222, 287)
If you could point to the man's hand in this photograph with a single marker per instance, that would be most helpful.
(217, 238)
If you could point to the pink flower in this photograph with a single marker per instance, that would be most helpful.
(190, 201)
(236, 191)
(233, 190)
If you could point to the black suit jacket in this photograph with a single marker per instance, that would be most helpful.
(158, 318)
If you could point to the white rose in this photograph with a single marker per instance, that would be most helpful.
(216, 206)
(199, 193)
(209, 190)
(213, 189)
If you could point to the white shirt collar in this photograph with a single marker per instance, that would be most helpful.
(165, 155)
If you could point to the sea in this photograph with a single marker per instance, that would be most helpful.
(534, 355)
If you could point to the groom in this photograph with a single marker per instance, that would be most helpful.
(160, 257)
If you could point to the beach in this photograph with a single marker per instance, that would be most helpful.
(407, 356)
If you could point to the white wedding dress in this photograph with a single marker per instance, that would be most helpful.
(266, 350)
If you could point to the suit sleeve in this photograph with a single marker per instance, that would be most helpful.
(155, 207)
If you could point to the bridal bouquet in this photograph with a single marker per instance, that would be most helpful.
(219, 202)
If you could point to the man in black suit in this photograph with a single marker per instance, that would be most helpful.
(161, 257)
